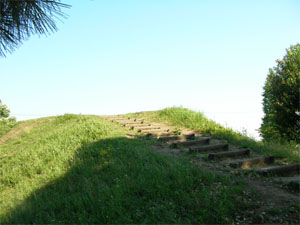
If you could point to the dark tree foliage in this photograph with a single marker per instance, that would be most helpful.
(281, 101)
(21, 18)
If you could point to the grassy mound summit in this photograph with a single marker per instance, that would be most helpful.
(83, 169)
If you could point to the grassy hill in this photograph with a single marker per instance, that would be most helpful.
(81, 169)
(84, 169)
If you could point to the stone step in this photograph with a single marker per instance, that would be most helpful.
(212, 147)
(140, 129)
(156, 132)
(133, 123)
(280, 170)
(228, 154)
(139, 126)
(138, 120)
(190, 143)
(153, 132)
(249, 163)
(159, 133)
(177, 137)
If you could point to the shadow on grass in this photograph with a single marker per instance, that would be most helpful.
(114, 181)
(88, 192)
(120, 181)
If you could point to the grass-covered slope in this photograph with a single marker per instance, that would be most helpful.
(182, 117)
(6, 125)
(80, 169)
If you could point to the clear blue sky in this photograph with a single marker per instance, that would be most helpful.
(119, 56)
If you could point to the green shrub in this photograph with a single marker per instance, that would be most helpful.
(6, 122)
(281, 99)
(4, 111)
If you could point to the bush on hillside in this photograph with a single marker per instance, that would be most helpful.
(4, 111)
(6, 122)
(281, 102)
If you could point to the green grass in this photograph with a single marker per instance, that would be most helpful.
(182, 117)
(81, 169)
(6, 125)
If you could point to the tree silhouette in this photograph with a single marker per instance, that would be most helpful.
(21, 18)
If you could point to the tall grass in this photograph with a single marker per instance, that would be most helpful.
(80, 169)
